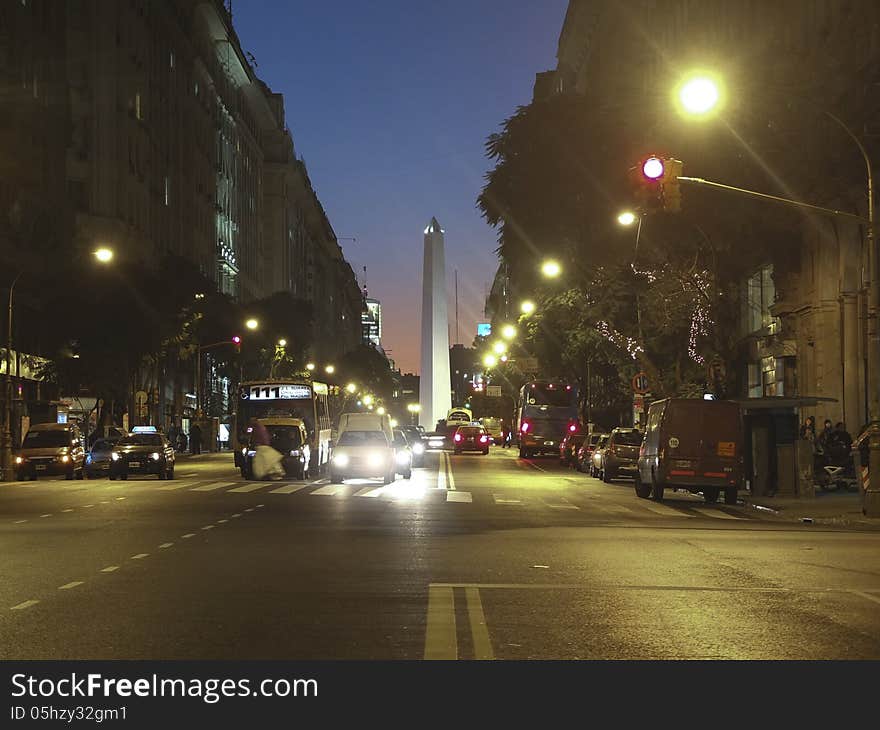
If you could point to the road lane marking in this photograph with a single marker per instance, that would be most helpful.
(613, 509)
(188, 535)
(187, 476)
(716, 513)
(18, 522)
(441, 472)
(165, 545)
(450, 480)
(862, 594)
(440, 635)
(211, 486)
(208, 527)
(139, 556)
(330, 490)
(561, 503)
(250, 487)
(109, 568)
(173, 487)
(86, 506)
(48, 515)
(23, 605)
(503, 500)
(249, 509)
(457, 496)
(72, 584)
(369, 492)
(120, 498)
(237, 514)
(220, 522)
(661, 510)
(288, 489)
(67, 510)
(479, 632)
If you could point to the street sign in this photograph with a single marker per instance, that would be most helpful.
(640, 383)
(528, 364)
(493, 391)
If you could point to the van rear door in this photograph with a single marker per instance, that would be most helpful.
(702, 438)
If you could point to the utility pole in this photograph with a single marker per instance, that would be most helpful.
(7, 468)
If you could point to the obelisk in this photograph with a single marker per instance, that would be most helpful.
(434, 385)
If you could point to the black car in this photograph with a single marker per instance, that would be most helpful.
(417, 443)
(142, 453)
(99, 458)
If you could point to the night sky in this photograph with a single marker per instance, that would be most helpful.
(390, 104)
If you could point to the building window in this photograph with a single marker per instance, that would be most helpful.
(171, 60)
(167, 189)
(760, 296)
(138, 110)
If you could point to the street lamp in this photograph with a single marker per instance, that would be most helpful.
(551, 269)
(699, 94)
(351, 388)
(368, 400)
(380, 410)
(282, 342)
(104, 255)
(252, 324)
(527, 307)
(310, 366)
(490, 361)
(329, 370)
(627, 218)
(500, 348)
(508, 332)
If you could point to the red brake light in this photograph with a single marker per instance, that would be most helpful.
(457, 437)
(524, 427)
(572, 428)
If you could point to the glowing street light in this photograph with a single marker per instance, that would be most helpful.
(527, 307)
(351, 388)
(414, 408)
(282, 342)
(252, 324)
(699, 94)
(310, 366)
(500, 348)
(627, 218)
(508, 332)
(551, 269)
(104, 255)
(368, 399)
(490, 361)
(380, 410)
(329, 370)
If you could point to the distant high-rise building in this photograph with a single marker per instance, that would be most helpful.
(434, 385)
(371, 323)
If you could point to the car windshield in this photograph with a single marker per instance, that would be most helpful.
(363, 438)
(595, 438)
(628, 438)
(47, 439)
(141, 439)
(102, 445)
(284, 438)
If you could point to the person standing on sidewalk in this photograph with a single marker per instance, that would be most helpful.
(195, 439)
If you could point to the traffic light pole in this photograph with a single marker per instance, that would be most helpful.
(871, 495)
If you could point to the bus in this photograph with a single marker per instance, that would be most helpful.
(545, 412)
(285, 398)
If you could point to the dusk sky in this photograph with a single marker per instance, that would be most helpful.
(390, 104)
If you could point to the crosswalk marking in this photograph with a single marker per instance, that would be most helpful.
(661, 510)
(211, 486)
(457, 496)
(717, 513)
(613, 509)
(251, 487)
(172, 487)
(559, 503)
(330, 490)
(369, 492)
(288, 489)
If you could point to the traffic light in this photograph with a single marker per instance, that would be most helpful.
(654, 183)
(670, 185)
(236, 340)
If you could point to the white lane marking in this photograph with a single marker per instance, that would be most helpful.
(441, 471)
(249, 509)
(48, 515)
(560, 503)
(440, 636)
(613, 509)
(330, 490)
(18, 522)
(208, 527)
(260, 505)
(503, 500)
(220, 522)
(368, 492)
(457, 496)
(165, 545)
(187, 476)
(188, 535)
(23, 605)
(67, 510)
(288, 489)
(120, 498)
(479, 632)
(173, 487)
(109, 568)
(86, 506)
(139, 556)
(862, 594)
(716, 513)
(72, 584)
(250, 487)
(539, 468)
(660, 509)
(449, 478)
(210, 487)
(237, 514)
(105, 501)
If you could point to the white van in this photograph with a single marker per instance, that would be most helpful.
(365, 422)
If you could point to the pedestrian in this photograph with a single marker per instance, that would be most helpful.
(195, 438)
(508, 437)
(267, 463)
(822, 438)
(808, 429)
(181, 441)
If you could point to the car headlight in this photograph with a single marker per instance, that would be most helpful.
(64, 458)
(295, 452)
(244, 451)
(418, 449)
(402, 457)
(375, 459)
(340, 460)
(155, 456)
(115, 456)
(19, 460)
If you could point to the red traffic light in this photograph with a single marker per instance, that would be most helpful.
(236, 339)
(653, 168)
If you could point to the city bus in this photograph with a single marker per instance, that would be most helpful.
(284, 398)
(545, 412)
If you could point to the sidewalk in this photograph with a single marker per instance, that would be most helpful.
(826, 508)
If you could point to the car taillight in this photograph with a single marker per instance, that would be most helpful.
(483, 439)
(572, 428)
(457, 437)
(524, 428)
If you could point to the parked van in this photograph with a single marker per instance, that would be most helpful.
(365, 422)
(51, 449)
(692, 445)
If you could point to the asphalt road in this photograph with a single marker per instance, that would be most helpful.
(487, 557)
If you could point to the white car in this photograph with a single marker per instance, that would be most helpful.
(363, 454)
